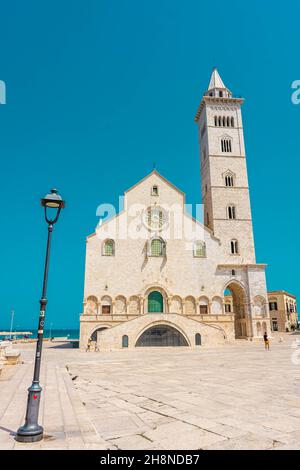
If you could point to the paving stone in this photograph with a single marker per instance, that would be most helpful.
(234, 397)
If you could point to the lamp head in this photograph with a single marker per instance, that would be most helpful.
(53, 201)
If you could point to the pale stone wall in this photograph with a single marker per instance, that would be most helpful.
(216, 195)
(210, 335)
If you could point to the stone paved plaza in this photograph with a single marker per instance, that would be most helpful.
(232, 397)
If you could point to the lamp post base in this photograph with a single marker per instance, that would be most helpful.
(30, 434)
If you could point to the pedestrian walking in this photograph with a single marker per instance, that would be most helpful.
(266, 341)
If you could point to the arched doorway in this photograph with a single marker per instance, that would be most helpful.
(235, 296)
(155, 302)
(161, 335)
(94, 335)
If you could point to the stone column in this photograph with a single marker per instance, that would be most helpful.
(142, 305)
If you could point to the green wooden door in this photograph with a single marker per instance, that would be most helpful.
(155, 302)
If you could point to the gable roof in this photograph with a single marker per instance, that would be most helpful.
(207, 229)
(155, 172)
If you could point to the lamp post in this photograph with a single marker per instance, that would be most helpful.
(31, 431)
(11, 322)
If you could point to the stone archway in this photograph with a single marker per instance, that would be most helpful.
(235, 292)
(94, 335)
(161, 335)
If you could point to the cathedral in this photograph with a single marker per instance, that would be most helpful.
(156, 276)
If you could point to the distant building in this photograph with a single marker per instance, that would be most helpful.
(283, 311)
(282, 308)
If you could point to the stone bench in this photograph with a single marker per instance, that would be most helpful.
(8, 355)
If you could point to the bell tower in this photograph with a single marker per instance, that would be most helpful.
(224, 179)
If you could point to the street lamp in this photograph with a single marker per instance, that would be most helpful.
(11, 322)
(32, 431)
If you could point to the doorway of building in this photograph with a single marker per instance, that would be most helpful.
(155, 302)
(161, 335)
(95, 333)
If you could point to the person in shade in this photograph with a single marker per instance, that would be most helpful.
(266, 341)
(88, 348)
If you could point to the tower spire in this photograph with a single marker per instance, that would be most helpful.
(215, 80)
(216, 85)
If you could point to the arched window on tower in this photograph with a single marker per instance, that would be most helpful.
(224, 121)
(228, 121)
(216, 120)
(226, 145)
(220, 121)
(232, 122)
(234, 247)
(229, 181)
(231, 212)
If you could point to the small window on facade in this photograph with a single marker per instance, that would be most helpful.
(224, 121)
(203, 309)
(124, 341)
(221, 94)
(109, 248)
(233, 272)
(105, 309)
(234, 247)
(199, 249)
(157, 247)
(216, 120)
(154, 191)
(231, 212)
(227, 308)
(228, 121)
(198, 339)
(273, 306)
(220, 121)
(232, 122)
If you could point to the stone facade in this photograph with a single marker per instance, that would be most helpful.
(153, 265)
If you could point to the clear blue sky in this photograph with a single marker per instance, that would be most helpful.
(98, 90)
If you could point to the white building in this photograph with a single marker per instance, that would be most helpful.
(155, 276)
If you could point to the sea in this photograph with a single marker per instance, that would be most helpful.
(61, 333)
